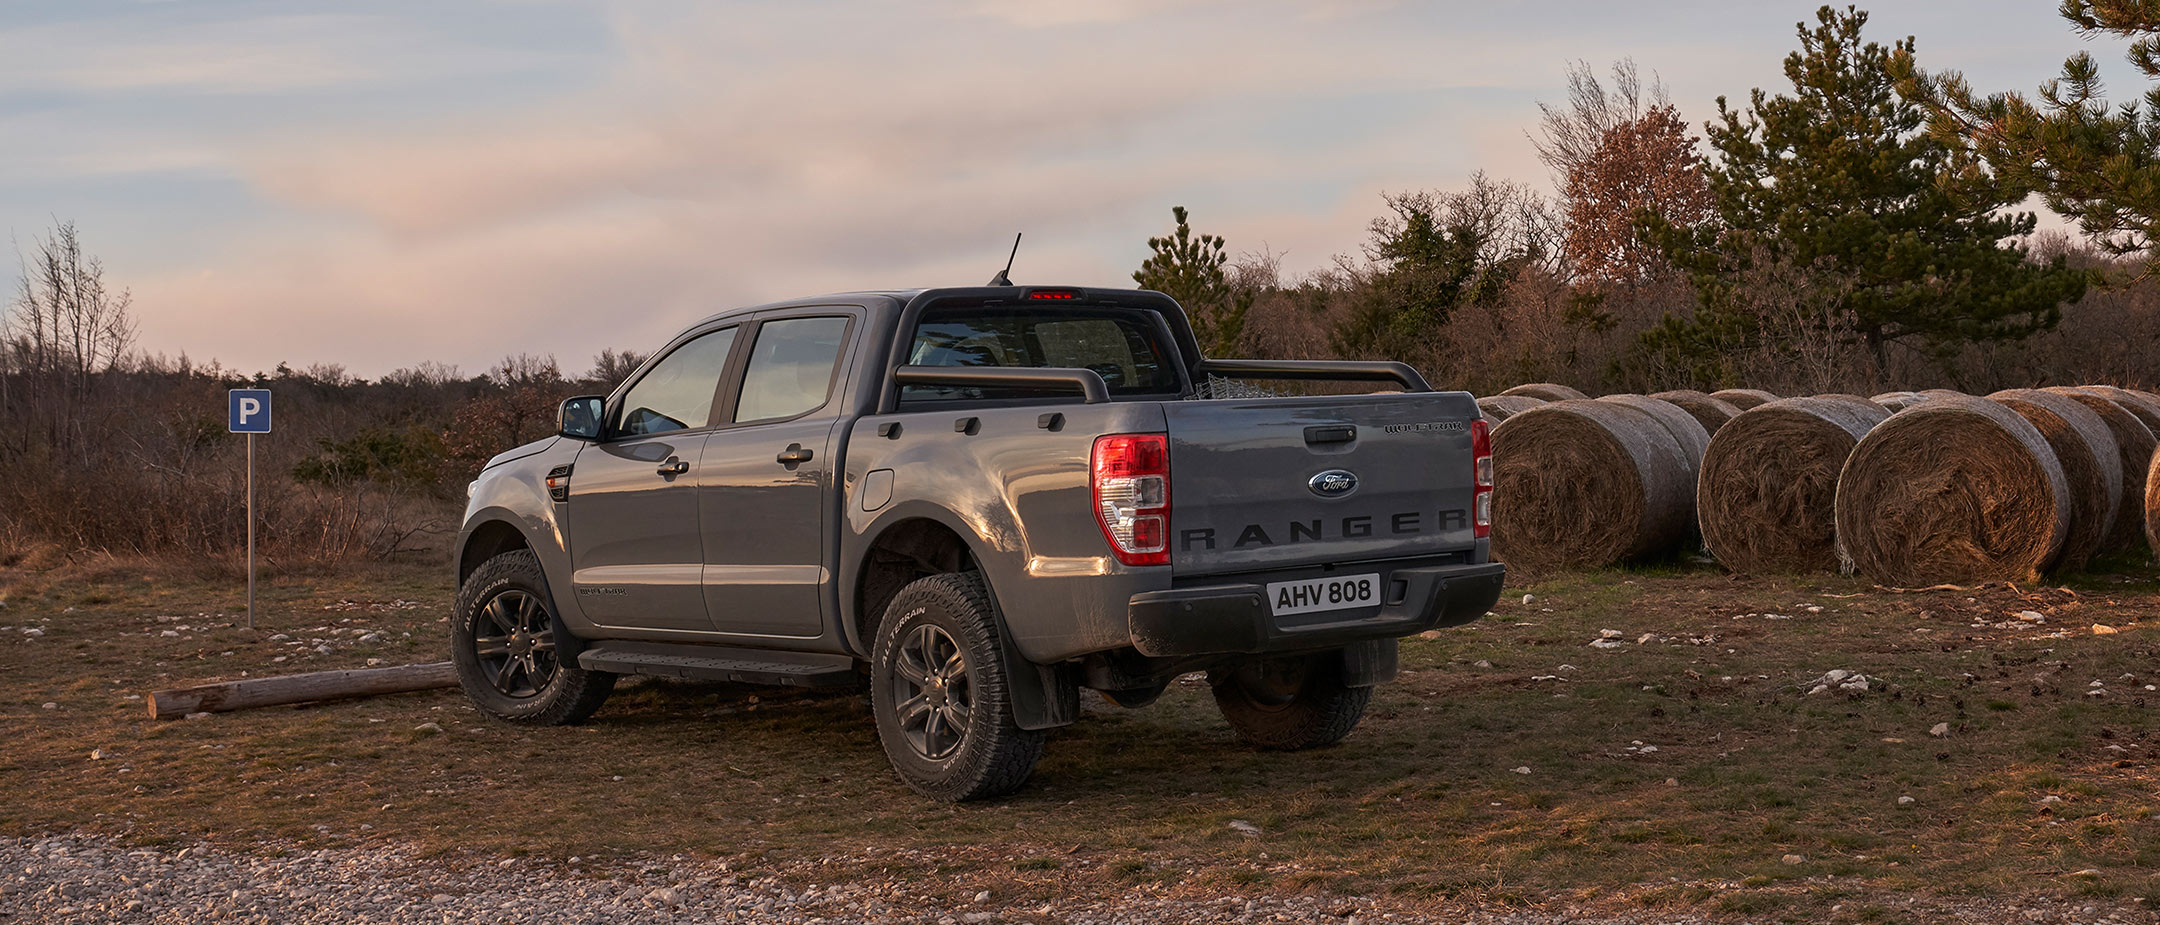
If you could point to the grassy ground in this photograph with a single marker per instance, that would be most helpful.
(1679, 768)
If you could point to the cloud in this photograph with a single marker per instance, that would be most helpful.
(727, 156)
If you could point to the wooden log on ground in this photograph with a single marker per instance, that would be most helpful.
(248, 693)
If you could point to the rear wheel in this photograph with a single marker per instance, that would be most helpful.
(1291, 703)
(504, 642)
(938, 690)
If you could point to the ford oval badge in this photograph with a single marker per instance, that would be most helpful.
(1333, 483)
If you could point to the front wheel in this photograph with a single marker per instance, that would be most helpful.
(1290, 703)
(938, 690)
(503, 641)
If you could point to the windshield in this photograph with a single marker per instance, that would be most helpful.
(1120, 346)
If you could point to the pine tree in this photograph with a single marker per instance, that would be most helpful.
(2091, 162)
(1841, 177)
(1191, 270)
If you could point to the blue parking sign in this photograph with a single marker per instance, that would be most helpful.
(248, 411)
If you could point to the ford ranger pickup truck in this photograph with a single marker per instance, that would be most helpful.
(978, 501)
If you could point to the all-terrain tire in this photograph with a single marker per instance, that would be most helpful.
(503, 639)
(1290, 704)
(939, 693)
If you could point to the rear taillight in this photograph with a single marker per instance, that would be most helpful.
(1481, 478)
(1130, 477)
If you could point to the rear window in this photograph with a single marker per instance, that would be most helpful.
(1119, 346)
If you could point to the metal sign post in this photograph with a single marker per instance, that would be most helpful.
(247, 411)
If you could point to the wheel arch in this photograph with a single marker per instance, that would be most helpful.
(922, 540)
(486, 540)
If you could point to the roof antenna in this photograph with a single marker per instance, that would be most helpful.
(1001, 279)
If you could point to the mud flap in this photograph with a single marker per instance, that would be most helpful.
(1369, 663)
(1043, 696)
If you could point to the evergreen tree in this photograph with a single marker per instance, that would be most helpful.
(1190, 270)
(2094, 163)
(1840, 177)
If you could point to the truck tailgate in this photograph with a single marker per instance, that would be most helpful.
(1274, 483)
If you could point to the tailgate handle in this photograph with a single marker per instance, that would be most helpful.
(1331, 433)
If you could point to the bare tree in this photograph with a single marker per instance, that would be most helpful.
(1573, 133)
(613, 366)
(66, 323)
(65, 327)
(1620, 155)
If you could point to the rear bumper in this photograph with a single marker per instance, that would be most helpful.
(1233, 618)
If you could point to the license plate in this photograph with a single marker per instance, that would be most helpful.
(1313, 594)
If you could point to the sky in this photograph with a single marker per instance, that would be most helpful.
(377, 184)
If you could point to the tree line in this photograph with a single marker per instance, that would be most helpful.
(1856, 231)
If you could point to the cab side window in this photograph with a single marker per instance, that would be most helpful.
(677, 394)
(790, 371)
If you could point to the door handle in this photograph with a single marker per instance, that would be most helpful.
(794, 455)
(673, 466)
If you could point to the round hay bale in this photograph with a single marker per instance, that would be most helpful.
(1743, 399)
(2134, 444)
(1585, 484)
(1711, 413)
(1952, 490)
(2143, 406)
(1497, 408)
(2091, 466)
(1847, 396)
(2152, 507)
(1768, 492)
(1688, 432)
(1942, 393)
(1546, 391)
(1897, 401)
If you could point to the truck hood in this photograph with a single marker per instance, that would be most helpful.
(521, 452)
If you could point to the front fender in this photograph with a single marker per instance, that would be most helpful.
(514, 496)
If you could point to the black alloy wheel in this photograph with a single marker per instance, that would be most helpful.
(934, 694)
(515, 644)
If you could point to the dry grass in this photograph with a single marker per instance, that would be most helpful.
(1420, 803)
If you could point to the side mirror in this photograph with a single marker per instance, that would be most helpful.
(580, 417)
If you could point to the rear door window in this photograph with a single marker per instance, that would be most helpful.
(791, 367)
(1119, 346)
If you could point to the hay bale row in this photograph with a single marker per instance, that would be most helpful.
(1767, 495)
(1909, 488)
(1953, 489)
(1588, 483)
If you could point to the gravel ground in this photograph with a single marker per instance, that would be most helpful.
(69, 879)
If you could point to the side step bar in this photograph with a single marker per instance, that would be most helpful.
(721, 663)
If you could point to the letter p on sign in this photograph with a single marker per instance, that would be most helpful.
(248, 411)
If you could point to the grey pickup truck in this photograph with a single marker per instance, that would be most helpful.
(977, 501)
